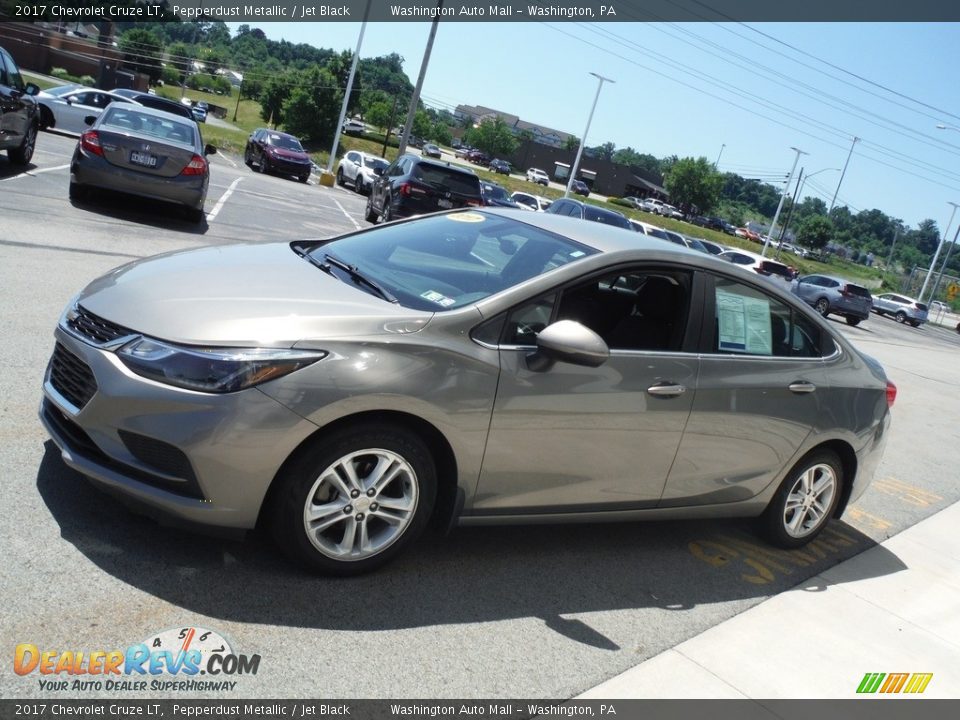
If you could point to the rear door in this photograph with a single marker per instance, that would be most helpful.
(757, 397)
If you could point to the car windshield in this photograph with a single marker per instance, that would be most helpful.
(125, 118)
(495, 192)
(375, 163)
(447, 261)
(284, 142)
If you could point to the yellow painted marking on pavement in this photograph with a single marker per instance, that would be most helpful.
(865, 520)
(906, 492)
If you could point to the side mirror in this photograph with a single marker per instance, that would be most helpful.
(209, 149)
(31, 89)
(89, 119)
(378, 171)
(69, 99)
(568, 341)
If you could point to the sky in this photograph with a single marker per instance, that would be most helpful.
(743, 93)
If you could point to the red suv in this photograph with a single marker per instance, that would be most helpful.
(277, 152)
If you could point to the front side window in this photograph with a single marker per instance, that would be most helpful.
(750, 322)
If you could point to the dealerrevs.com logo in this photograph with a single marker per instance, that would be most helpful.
(891, 683)
(172, 660)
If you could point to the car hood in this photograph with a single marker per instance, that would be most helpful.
(288, 154)
(242, 296)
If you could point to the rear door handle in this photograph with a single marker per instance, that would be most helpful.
(666, 390)
(801, 386)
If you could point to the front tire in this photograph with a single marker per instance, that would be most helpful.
(901, 317)
(355, 500)
(340, 177)
(78, 192)
(822, 306)
(805, 501)
(371, 215)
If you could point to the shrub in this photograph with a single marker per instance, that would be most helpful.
(88, 80)
(622, 202)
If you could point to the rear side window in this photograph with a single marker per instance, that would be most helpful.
(857, 290)
(448, 178)
(750, 322)
(608, 218)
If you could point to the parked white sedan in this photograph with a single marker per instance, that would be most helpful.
(65, 107)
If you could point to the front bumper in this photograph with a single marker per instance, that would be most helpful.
(197, 457)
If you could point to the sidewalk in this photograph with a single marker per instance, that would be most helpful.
(820, 639)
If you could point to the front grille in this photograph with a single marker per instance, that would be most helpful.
(71, 377)
(95, 328)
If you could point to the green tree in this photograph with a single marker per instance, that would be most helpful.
(693, 183)
(571, 143)
(440, 132)
(421, 124)
(493, 136)
(274, 95)
(142, 50)
(603, 152)
(380, 114)
(815, 232)
(313, 107)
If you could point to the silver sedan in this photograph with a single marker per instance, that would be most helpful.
(474, 367)
(65, 107)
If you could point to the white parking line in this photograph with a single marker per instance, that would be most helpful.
(31, 173)
(348, 216)
(224, 157)
(223, 198)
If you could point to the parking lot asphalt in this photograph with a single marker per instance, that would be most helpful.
(485, 612)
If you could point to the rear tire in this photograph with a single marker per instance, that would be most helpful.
(823, 306)
(304, 178)
(387, 214)
(22, 154)
(78, 192)
(915, 323)
(901, 317)
(340, 177)
(371, 215)
(195, 215)
(358, 184)
(355, 500)
(854, 321)
(46, 118)
(805, 500)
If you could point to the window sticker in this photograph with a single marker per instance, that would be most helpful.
(438, 298)
(743, 324)
(466, 217)
(577, 253)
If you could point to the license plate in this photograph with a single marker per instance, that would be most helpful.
(144, 159)
(444, 203)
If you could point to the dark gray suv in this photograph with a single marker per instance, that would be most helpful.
(19, 116)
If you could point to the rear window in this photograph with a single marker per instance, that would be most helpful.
(448, 178)
(130, 120)
(495, 192)
(605, 216)
(858, 290)
(775, 268)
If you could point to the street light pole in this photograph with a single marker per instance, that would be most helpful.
(722, 146)
(783, 196)
(346, 95)
(936, 285)
(836, 192)
(936, 255)
(799, 195)
(583, 142)
(415, 99)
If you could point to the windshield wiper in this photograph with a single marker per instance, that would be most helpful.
(358, 277)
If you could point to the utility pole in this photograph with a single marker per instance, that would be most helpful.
(936, 255)
(786, 223)
(783, 196)
(328, 175)
(892, 246)
(835, 192)
(239, 95)
(386, 135)
(412, 111)
(936, 285)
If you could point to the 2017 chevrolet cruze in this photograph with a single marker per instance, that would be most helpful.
(472, 367)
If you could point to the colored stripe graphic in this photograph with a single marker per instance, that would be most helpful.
(895, 682)
(870, 682)
(918, 683)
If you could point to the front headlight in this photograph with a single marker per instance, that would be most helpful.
(213, 370)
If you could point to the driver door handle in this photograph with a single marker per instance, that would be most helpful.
(802, 386)
(666, 390)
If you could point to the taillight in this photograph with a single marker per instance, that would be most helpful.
(409, 189)
(891, 394)
(474, 203)
(196, 166)
(90, 141)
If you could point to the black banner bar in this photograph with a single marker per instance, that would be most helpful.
(486, 10)
(866, 709)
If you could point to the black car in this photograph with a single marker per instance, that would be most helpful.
(496, 196)
(585, 211)
(19, 114)
(478, 157)
(501, 167)
(580, 188)
(271, 151)
(157, 103)
(412, 185)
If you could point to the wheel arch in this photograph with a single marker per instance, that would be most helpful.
(848, 462)
(447, 501)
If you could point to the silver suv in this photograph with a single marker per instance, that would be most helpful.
(835, 295)
(902, 308)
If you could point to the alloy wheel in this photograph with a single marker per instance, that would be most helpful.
(809, 501)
